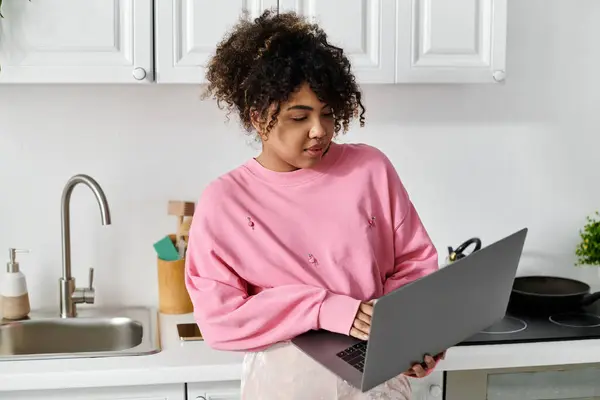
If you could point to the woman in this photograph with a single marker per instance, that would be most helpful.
(307, 234)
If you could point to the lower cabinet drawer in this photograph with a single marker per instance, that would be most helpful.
(147, 392)
(229, 390)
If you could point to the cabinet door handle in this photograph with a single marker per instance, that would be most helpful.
(499, 76)
(139, 73)
(435, 391)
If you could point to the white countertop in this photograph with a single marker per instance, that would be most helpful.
(180, 362)
(521, 355)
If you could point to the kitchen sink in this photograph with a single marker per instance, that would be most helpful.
(95, 332)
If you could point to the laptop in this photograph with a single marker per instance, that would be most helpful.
(426, 316)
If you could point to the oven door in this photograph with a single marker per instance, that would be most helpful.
(567, 382)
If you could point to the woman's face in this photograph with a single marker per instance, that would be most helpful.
(301, 135)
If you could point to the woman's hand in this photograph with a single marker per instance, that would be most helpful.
(423, 369)
(362, 327)
(362, 322)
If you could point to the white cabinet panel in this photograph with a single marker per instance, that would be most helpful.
(149, 392)
(457, 41)
(74, 41)
(430, 387)
(365, 29)
(214, 391)
(188, 31)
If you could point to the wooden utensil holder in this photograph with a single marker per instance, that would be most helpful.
(173, 297)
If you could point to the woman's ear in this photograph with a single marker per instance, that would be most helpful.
(258, 122)
(255, 120)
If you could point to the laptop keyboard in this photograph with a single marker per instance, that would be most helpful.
(355, 355)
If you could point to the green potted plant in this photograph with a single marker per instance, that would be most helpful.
(588, 249)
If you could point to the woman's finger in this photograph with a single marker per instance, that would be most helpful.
(364, 317)
(366, 308)
(419, 371)
(429, 361)
(362, 326)
(358, 334)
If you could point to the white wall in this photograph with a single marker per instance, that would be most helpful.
(479, 160)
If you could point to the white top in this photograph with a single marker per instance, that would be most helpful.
(180, 362)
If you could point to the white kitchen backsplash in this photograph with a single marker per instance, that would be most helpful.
(478, 160)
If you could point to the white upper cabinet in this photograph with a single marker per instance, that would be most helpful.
(188, 31)
(76, 41)
(415, 41)
(451, 41)
(365, 29)
(117, 41)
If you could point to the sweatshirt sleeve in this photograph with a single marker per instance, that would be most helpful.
(414, 253)
(415, 256)
(232, 319)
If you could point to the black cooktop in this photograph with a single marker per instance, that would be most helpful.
(515, 328)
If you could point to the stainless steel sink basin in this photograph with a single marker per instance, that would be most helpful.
(95, 332)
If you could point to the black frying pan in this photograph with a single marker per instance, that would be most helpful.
(547, 295)
(539, 295)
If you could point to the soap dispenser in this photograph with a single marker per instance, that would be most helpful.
(13, 289)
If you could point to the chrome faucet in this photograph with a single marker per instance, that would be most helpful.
(70, 295)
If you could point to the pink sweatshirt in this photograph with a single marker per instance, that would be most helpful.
(274, 254)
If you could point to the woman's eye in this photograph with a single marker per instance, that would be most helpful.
(298, 118)
(329, 114)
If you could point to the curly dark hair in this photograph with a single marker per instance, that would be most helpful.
(261, 63)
